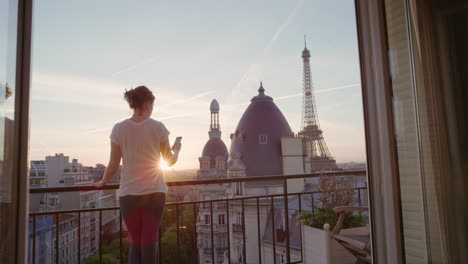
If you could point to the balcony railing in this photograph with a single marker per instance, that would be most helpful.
(280, 237)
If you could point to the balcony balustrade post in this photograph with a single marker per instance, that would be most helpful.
(244, 255)
(286, 219)
(177, 232)
(79, 237)
(258, 232)
(212, 233)
(273, 228)
(120, 237)
(57, 229)
(100, 236)
(300, 232)
(34, 240)
(195, 246)
(229, 236)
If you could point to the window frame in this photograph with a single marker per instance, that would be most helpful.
(382, 167)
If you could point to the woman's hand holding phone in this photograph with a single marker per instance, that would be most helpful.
(177, 145)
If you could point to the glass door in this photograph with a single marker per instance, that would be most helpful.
(14, 83)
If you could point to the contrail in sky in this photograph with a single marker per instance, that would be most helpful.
(235, 106)
(319, 91)
(252, 67)
(132, 67)
(181, 101)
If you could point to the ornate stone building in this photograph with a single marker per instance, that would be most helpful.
(212, 216)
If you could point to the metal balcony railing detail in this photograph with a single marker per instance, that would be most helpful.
(280, 237)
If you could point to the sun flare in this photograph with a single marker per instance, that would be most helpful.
(163, 165)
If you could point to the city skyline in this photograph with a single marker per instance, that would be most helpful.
(75, 105)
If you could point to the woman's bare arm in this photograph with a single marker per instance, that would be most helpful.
(113, 166)
(166, 151)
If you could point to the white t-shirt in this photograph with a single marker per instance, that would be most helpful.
(139, 144)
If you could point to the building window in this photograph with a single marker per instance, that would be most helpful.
(263, 139)
(238, 188)
(280, 259)
(221, 219)
(220, 165)
(238, 218)
(207, 219)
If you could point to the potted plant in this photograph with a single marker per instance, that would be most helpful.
(320, 220)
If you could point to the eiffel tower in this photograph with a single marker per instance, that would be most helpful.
(316, 147)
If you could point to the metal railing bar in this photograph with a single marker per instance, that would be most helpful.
(212, 233)
(312, 203)
(188, 202)
(273, 228)
(195, 238)
(258, 232)
(300, 232)
(34, 240)
(286, 220)
(79, 237)
(159, 246)
(359, 197)
(204, 182)
(229, 233)
(177, 233)
(120, 237)
(57, 228)
(244, 255)
(100, 236)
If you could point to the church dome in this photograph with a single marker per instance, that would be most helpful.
(215, 147)
(258, 136)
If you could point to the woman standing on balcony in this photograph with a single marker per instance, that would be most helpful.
(140, 141)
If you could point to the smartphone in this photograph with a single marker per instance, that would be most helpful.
(177, 141)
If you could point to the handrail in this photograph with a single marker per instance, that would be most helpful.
(203, 182)
(230, 199)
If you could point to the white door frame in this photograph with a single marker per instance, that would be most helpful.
(382, 167)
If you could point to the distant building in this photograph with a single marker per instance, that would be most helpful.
(44, 240)
(213, 165)
(57, 171)
(263, 144)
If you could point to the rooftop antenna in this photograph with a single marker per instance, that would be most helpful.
(305, 42)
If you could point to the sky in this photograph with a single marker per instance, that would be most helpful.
(87, 52)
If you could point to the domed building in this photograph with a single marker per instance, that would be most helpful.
(215, 153)
(258, 136)
(263, 144)
(213, 165)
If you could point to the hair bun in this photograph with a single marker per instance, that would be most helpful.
(138, 96)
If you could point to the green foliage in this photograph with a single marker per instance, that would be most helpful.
(187, 249)
(111, 252)
(106, 259)
(333, 193)
(325, 216)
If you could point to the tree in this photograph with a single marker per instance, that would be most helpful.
(111, 252)
(333, 193)
(187, 249)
